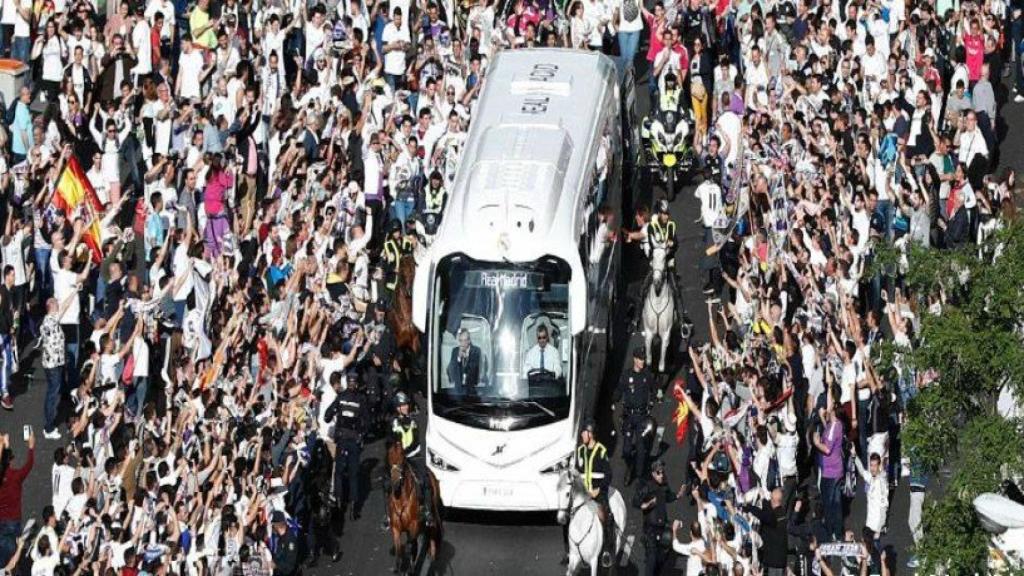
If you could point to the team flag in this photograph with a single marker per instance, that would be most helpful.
(682, 413)
(74, 192)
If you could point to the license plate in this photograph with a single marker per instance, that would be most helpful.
(669, 160)
(497, 491)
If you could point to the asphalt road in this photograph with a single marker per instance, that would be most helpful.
(507, 544)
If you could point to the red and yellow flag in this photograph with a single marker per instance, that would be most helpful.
(74, 192)
(682, 414)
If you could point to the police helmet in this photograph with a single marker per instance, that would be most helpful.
(658, 466)
(639, 353)
(394, 226)
(410, 225)
(587, 426)
(670, 80)
(661, 207)
(401, 399)
(436, 175)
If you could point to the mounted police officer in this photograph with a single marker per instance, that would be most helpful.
(395, 248)
(652, 499)
(596, 470)
(658, 232)
(405, 432)
(634, 390)
(351, 420)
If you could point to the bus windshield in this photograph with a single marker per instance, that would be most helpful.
(503, 342)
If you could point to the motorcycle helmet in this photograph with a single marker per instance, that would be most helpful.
(669, 120)
(430, 223)
(661, 207)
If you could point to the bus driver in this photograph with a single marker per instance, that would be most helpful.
(543, 356)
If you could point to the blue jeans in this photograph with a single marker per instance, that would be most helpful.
(21, 48)
(71, 354)
(137, 399)
(831, 500)
(10, 530)
(402, 209)
(54, 387)
(629, 42)
(6, 363)
(44, 279)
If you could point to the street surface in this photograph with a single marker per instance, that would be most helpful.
(521, 544)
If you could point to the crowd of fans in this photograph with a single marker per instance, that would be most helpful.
(264, 167)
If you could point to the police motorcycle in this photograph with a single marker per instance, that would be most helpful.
(666, 137)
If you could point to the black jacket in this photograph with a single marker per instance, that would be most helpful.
(464, 374)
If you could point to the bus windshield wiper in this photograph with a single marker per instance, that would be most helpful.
(531, 403)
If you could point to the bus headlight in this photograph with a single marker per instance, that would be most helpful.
(439, 463)
(560, 466)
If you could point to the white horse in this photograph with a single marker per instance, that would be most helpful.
(586, 538)
(659, 307)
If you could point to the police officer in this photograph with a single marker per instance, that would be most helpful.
(351, 420)
(595, 469)
(651, 499)
(659, 232)
(634, 390)
(669, 98)
(435, 196)
(391, 253)
(285, 550)
(379, 361)
(404, 431)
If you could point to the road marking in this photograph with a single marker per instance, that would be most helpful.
(627, 549)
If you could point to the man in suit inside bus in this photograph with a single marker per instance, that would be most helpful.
(464, 366)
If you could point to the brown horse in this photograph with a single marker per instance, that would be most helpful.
(404, 510)
(407, 337)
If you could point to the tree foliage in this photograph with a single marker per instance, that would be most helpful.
(975, 347)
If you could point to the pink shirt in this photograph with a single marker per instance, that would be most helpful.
(213, 198)
(975, 48)
(655, 43)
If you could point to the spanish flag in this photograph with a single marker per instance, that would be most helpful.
(74, 192)
(682, 413)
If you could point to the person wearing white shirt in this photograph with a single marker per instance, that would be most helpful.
(696, 550)
(543, 356)
(62, 476)
(878, 493)
(970, 140)
(396, 40)
(142, 42)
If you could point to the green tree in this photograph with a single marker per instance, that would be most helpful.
(975, 347)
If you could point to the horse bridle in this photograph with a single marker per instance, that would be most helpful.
(571, 511)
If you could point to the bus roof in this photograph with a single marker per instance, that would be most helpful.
(516, 193)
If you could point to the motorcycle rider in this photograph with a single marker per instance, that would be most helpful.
(349, 407)
(652, 499)
(593, 465)
(634, 390)
(671, 95)
(405, 431)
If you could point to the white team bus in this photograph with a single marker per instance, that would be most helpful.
(516, 251)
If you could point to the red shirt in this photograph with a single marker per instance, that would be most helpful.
(10, 488)
(655, 43)
(154, 42)
(975, 48)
